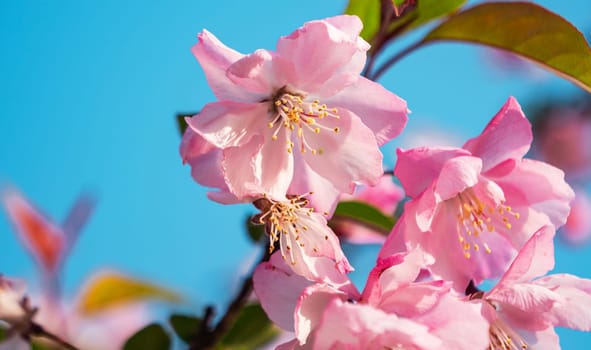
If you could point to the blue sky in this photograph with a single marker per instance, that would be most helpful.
(89, 91)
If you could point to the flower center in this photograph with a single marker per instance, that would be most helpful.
(284, 222)
(502, 337)
(294, 113)
(475, 217)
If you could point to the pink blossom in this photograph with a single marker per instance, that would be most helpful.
(303, 109)
(524, 309)
(384, 196)
(302, 235)
(393, 311)
(48, 242)
(472, 208)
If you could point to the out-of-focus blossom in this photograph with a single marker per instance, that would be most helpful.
(578, 225)
(303, 109)
(563, 139)
(393, 311)
(473, 208)
(384, 196)
(524, 309)
(302, 234)
(50, 245)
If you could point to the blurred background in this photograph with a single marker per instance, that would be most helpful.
(88, 97)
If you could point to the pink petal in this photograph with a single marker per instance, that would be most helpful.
(324, 197)
(215, 58)
(534, 259)
(321, 54)
(382, 111)
(540, 186)
(574, 308)
(201, 155)
(358, 326)
(426, 161)
(261, 72)
(230, 124)
(311, 305)
(278, 290)
(353, 150)
(507, 136)
(458, 323)
(257, 167)
(456, 175)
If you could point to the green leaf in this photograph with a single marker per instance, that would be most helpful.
(369, 12)
(525, 29)
(251, 330)
(255, 232)
(425, 12)
(152, 337)
(2, 333)
(365, 214)
(110, 290)
(185, 326)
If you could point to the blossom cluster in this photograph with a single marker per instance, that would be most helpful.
(295, 129)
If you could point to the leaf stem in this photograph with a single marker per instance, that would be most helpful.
(38, 331)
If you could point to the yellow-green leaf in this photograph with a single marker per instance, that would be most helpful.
(112, 289)
(525, 29)
(369, 12)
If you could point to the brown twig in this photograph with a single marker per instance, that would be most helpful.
(208, 338)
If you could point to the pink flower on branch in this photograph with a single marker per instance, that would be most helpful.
(473, 208)
(524, 309)
(303, 109)
(302, 235)
(394, 311)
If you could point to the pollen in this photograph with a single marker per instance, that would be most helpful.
(286, 222)
(502, 337)
(478, 217)
(292, 112)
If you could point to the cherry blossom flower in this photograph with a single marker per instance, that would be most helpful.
(394, 311)
(472, 208)
(524, 309)
(303, 109)
(302, 234)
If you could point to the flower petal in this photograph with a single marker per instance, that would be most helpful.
(456, 175)
(352, 150)
(359, 326)
(215, 58)
(322, 54)
(507, 136)
(383, 112)
(278, 289)
(324, 197)
(262, 72)
(540, 186)
(426, 161)
(229, 124)
(574, 310)
(258, 167)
